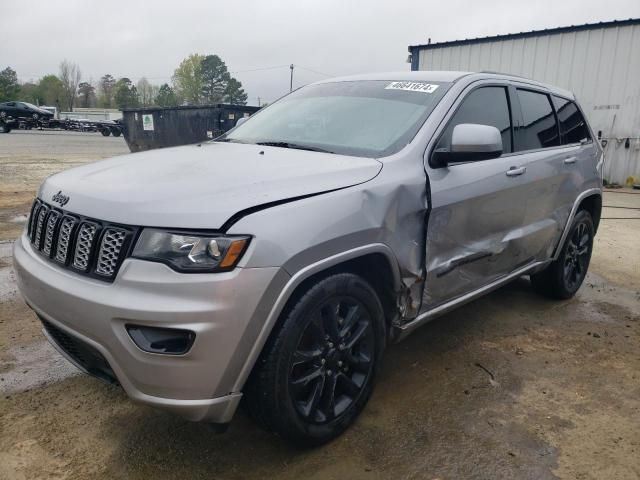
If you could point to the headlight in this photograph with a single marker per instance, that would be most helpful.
(191, 252)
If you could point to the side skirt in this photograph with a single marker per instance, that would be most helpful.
(409, 327)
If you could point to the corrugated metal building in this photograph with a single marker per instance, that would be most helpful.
(599, 62)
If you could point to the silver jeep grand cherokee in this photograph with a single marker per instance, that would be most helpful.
(278, 261)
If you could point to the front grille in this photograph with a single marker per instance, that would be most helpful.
(84, 355)
(52, 223)
(64, 238)
(83, 245)
(110, 247)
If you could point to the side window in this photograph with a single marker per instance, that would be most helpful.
(573, 128)
(540, 129)
(484, 106)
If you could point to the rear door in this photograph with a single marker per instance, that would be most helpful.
(551, 158)
(477, 209)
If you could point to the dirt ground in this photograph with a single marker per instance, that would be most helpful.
(512, 386)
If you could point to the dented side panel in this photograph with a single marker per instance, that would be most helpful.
(389, 209)
(473, 234)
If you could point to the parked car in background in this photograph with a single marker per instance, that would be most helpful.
(20, 110)
(276, 262)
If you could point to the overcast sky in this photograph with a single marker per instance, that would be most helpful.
(324, 38)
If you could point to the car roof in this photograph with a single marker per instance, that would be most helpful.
(447, 76)
(433, 76)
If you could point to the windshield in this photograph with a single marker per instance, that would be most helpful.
(30, 105)
(362, 118)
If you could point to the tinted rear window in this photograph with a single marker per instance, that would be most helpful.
(540, 129)
(573, 127)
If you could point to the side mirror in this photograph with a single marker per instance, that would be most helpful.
(241, 120)
(469, 142)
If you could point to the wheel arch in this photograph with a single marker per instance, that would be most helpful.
(593, 205)
(366, 261)
(589, 200)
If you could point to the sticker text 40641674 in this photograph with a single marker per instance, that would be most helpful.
(412, 87)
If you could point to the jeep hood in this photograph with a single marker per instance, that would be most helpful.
(201, 186)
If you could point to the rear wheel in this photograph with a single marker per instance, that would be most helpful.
(116, 132)
(564, 276)
(105, 132)
(4, 128)
(316, 375)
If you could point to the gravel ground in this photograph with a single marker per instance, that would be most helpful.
(510, 386)
(28, 157)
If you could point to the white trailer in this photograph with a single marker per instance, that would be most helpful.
(599, 62)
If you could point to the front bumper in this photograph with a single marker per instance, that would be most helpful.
(223, 309)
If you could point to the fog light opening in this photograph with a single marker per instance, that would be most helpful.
(165, 341)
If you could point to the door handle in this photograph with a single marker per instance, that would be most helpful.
(569, 160)
(515, 171)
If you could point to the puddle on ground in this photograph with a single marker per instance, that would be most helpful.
(18, 219)
(8, 288)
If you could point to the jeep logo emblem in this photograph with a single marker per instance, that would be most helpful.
(60, 198)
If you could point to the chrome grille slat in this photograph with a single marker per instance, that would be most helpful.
(84, 243)
(42, 213)
(32, 218)
(64, 238)
(87, 246)
(52, 223)
(109, 252)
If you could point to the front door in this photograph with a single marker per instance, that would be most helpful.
(477, 208)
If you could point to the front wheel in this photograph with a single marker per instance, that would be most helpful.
(564, 276)
(316, 375)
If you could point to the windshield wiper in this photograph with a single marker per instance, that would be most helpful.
(295, 146)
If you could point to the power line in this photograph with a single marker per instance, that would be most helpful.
(314, 71)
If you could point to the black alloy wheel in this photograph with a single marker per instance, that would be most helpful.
(333, 360)
(576, 257)
(318, 368)
(562, 278)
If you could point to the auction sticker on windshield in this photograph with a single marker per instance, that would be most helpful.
(412, 87)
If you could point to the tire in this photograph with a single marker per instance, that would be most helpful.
(116, 132)
(4, 128)
(564, 276)
(317, 372)
(105, 132)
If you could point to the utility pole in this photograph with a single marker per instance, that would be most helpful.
(258, 101)
(291, 79)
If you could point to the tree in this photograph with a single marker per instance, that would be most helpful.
(215, 78)
(86, 94)
(166, 97)
(30, 92)
(126, 94)
(70, 77)
(107, 89)
(146, 92)
(187, 79)
(235, 94)
(9, 86)
(51, 91)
